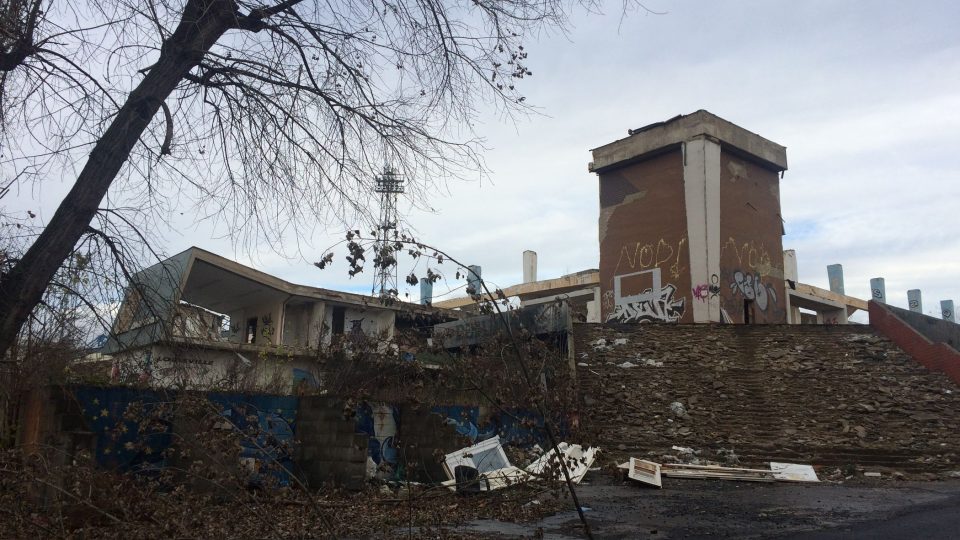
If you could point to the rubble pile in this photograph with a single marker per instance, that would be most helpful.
(833, 396)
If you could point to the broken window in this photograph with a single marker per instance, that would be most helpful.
(339, 319)
(251, 333)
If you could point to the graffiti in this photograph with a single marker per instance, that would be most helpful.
(750, 286)
(642, 256)
(662, 307)
(656, 303)
(947, 314)
(749, 255)
(877, 293)
(379, 422)
(515, 427)
(701, 292)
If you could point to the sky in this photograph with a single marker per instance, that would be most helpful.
(864, 95)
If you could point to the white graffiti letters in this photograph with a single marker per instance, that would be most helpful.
(656, 303)
(750, 286)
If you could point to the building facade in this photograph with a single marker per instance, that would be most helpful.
(690, 224)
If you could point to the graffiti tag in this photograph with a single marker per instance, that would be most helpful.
(701, 292)
(640, 256)
(656, 303)
(750, 286)
(749, 255)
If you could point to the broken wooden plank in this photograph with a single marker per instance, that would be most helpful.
(682, 470)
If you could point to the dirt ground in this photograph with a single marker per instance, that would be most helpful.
(710, 509)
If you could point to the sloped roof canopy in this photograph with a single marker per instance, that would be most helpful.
(216, 283)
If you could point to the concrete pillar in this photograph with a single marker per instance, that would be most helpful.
(529, 266)
(426, 292)
(790, 265)
(913, 301)
(701, 185)
(473, 279)
(946, 310)
(593, 307)
(878, 290)
(790, 275)
(835, 276)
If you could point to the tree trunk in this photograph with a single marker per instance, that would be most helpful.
(202, 24)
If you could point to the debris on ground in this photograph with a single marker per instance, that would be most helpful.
(644, 471)
(485, 466)
(578, 462)
(793, 472)
(683, 470)
(481, 467)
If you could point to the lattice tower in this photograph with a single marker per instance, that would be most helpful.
(388, 185)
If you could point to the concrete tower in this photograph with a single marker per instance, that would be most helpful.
(690, 225)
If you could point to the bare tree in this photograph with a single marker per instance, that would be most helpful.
(274, 115)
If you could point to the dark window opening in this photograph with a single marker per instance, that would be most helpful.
(251, 330)
(339, 318)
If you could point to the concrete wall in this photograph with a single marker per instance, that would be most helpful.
(751, 250)
(932, 328)
(186, 367)
(643, 242)
(895, 324)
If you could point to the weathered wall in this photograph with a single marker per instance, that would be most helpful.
(906, 329)
(932, 328)
(751, 260)
(643, 242)
(825, 395)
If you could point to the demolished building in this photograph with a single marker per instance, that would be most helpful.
(199, 320)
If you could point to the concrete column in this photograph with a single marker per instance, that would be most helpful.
(426, 292)
(701, 185)
(878, 290)
(913, 301)
(529, 266)
(835, 276)
(790, 275)
(946, 310)
(593, 307)
(790, 265)
(473, 279)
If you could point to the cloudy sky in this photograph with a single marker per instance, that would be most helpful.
(864, 95)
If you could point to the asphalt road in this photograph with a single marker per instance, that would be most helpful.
(724, 509)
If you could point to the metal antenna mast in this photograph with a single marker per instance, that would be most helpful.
(388, 185)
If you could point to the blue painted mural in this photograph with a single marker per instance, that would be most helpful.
(134, 428)
(516, 427)
(267, 423)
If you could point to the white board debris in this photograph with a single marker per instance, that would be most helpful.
(577, 460)
(792, 472)
(681, 470)
(488, 458)
(644, 471)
